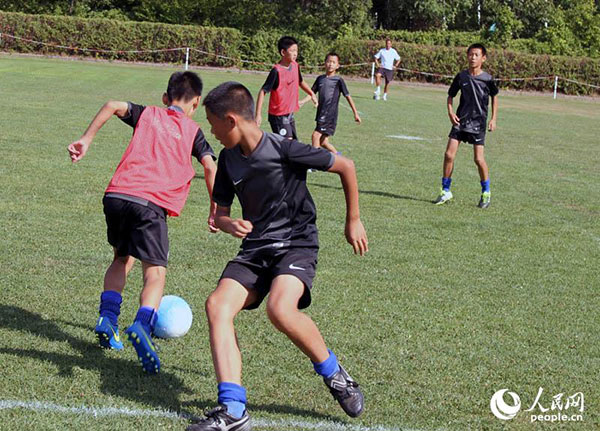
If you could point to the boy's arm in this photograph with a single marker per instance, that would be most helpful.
(210, 172)
(303, 101)
(259, 103)
(304, 86)
(453, 117)
(354, 230)
(492, 125)
(354, 111)
(79, 148)
(239, 228)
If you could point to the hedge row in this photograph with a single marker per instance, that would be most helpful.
(261, 48)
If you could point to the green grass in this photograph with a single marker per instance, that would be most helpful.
(451, 304)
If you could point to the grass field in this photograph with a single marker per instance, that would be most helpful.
(451, 304)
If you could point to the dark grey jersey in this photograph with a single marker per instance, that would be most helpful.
(329, 89)
(271, 187)
(474, 99)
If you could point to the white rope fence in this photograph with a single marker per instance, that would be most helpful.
(268, 64)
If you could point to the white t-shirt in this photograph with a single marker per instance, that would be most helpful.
(387, 57)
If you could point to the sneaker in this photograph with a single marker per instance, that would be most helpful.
(376, 96)
(484, 202)
(218, 419)
(384, 96)
(108, 335)
(444, 196)
(346, 391)
(144, 347)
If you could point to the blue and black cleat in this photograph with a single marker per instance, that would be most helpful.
(144, 347)
(108, 335)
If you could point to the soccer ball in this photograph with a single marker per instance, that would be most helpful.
(174, 317)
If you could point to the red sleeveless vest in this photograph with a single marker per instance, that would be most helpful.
(284, 100)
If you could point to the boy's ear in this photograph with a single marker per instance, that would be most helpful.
(197, 102)
(165, 99)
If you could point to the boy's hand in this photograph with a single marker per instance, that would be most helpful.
(357, 236)
(212, 227)
(258, 120)
(314, 99)
(78, 149)
(492, 125)
(357, 119)
(454, 118)
(240, 228)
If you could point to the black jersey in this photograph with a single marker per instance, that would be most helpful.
(200, 148)
(329, 89)
(271, 186)
(474, 98)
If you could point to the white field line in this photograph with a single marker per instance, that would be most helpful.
(124, 411)
(408, 138)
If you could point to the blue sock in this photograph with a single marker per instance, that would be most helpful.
(485, 186)
(110, 306)
(446, 183)
(328, 367)
(147, 317)
(233, 397)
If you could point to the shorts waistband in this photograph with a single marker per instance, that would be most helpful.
(137, 200)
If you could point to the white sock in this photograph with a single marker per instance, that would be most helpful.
(378, 90)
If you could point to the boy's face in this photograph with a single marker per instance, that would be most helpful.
(332, 63)
(223, 129)
(290, 54)
(476, 58)
(388, 44)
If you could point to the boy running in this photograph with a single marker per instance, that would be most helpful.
(468, 124)
(278, 256)
(152, 181)
(283, 82)
(387, 59)
(329, 87)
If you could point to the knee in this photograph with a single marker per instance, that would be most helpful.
(217, 309)
(279, 314)
(449, 156)
(479, 160)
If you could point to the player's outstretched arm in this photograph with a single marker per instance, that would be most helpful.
(453, 117)
(354, 111)
(79, 148)
(210, 171)
(239, 228)
(492, 125)
(303, 101)
(354, 230)
(259, 103)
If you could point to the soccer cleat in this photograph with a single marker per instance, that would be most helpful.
(108, 335)
(346, 391)
(384, 96)
(218, 419)
(144, 347)
(376, 96)
(444, 196)
(484, 202)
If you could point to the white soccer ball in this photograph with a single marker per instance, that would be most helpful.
(174, 317)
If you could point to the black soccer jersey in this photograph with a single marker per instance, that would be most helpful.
(474, 98)
(200, 148)
(329, 89)
(271, 186)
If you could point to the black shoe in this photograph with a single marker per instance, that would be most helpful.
(346, 391)
(218, 419)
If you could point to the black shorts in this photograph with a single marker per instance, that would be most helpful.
(326, 128)
(387, 74)
(256, 269)
(137, 230)
(477, 138)
(283, 125)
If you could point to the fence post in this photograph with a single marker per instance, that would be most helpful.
(372, 71)
(187, 58)
(555, 85)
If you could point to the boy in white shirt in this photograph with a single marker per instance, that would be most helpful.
(387, 59)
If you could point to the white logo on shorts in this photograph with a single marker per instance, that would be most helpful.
(283, 132)
(292, 266)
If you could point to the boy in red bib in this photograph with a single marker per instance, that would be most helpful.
(151, 182)
(283, 83)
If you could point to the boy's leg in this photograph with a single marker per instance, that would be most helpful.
(327, 145)
(448, 166)
(107, 326)
(139, 333)
(378, 85)
(482, 167)
(316, 138)
(282, 309)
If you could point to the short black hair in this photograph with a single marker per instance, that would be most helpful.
(285, 42)
(477, 46)
(184, 86)
(230, 96)
(332, 54)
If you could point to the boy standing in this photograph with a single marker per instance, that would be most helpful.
(152, 181)
(468, 124)
(283, 82)
(390, 60)
(329, 87)
(278, 257)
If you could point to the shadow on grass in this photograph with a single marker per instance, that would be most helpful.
(376, 193)
(119, 377)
